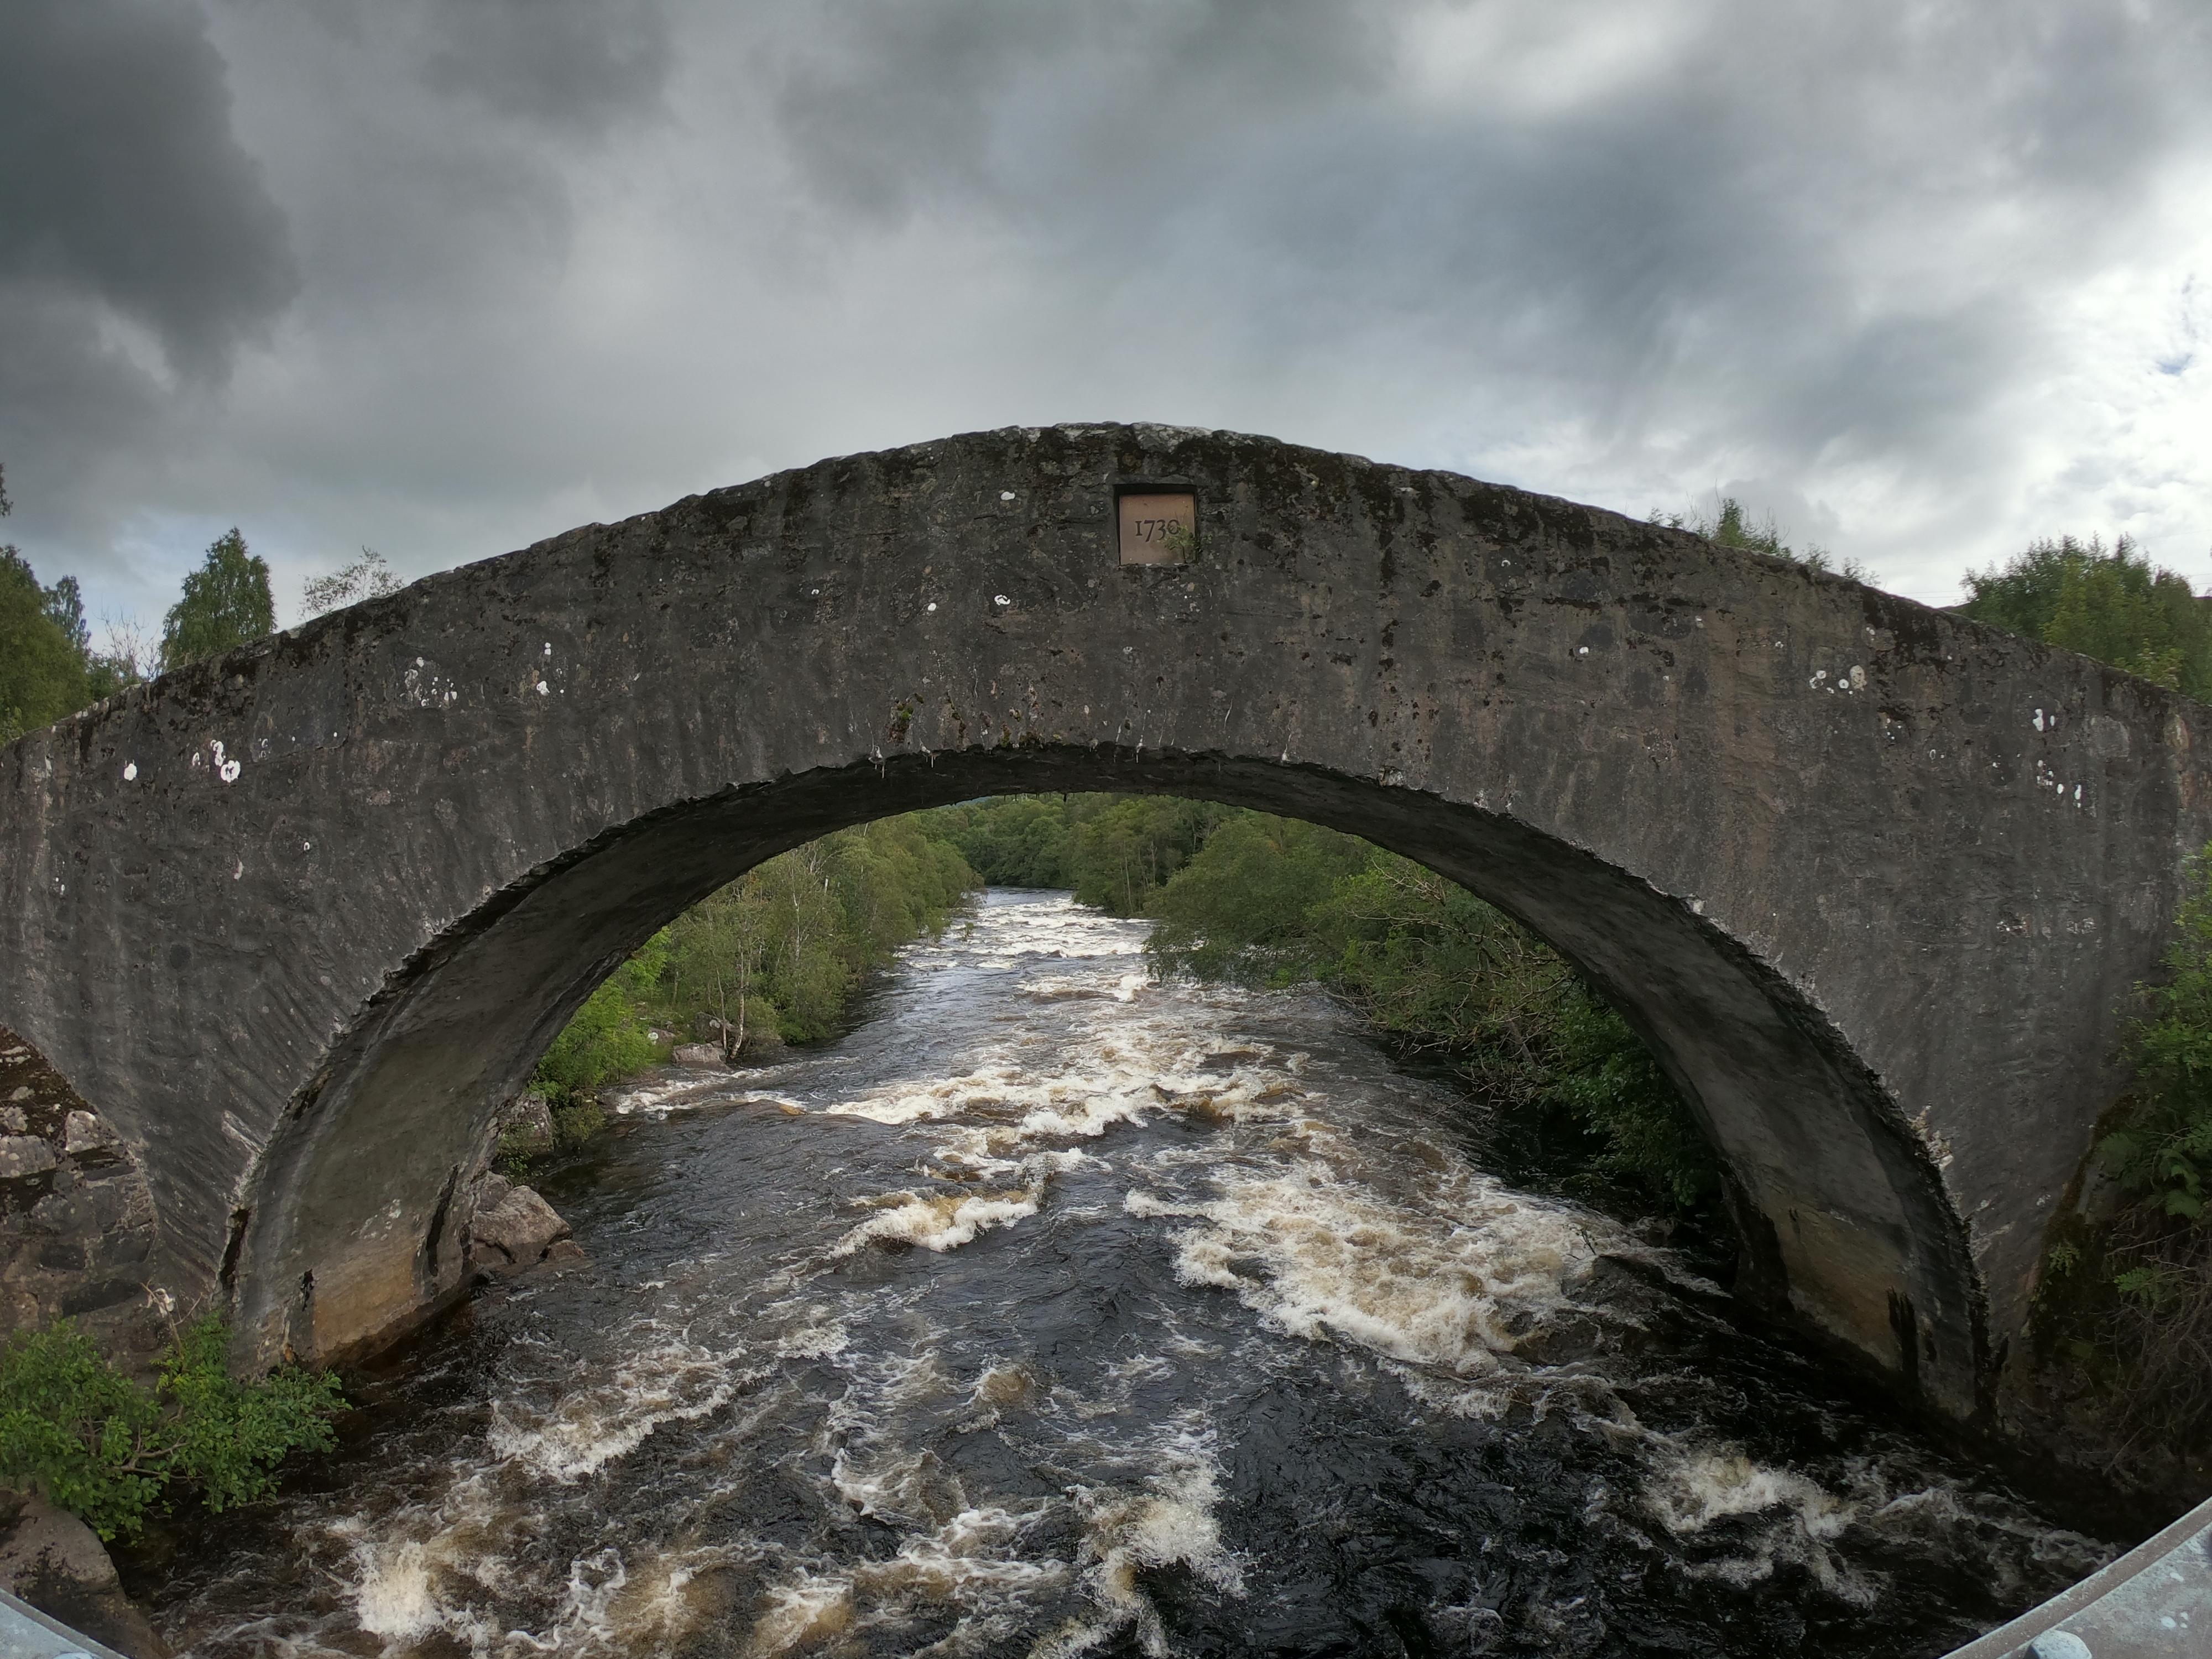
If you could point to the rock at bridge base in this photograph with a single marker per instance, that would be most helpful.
(52, 1560)
(76, 1220)
(529, 1119)
(515, 1229)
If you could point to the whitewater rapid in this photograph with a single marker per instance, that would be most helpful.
(1058, 1310)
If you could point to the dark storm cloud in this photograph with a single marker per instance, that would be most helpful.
(121, 182)
(1696, 228)
(495, 266)
(138, 247)
(561, 63)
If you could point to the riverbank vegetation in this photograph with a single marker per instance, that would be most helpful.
(2125, 1296)
(79, 1433)
(775, 958)
(1244, 896)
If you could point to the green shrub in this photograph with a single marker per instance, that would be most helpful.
(1600, 1072)
(2126, 1294)
(606, 1040)
(1277, 901)
(2161, 1149)
(79, 1433)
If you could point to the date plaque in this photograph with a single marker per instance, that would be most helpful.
(1158, 527)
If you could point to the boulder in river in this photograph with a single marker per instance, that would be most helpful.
(698, 1054)
(55, 1562)
(514, 1229)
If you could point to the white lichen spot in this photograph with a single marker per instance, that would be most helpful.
(544, 689)
(227, 770)
(1858, 677)
(238, 870)
(1000, 598)
(1006, 494)
(2038, 722)
(129, 770)
(1819, 675)
(549, 647)
(2077, 794)
(1581, 651)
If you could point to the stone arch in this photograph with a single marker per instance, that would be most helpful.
(1870, 878)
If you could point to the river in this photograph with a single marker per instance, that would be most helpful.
(1057, 1311)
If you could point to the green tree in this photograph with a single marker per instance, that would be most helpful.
(367, 578)
(779, 950)
(2115, 605)
(2162, 1148)
(1014, 841)
(1125, 848)
(718, 963)
(1245, 907)
(42, 660)
(226, 602)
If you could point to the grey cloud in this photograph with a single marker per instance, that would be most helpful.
(559, 260)
(560, 62)
(1047, 107)
(1701, 234)
(121, 181)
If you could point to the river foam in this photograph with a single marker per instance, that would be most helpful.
(1058, 1311)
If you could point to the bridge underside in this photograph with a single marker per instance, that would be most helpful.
(1871, 880)
(1805, 1130)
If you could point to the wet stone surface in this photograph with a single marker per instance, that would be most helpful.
(76, 1224)
(1056, 1311)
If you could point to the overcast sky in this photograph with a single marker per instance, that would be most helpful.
(443, 276)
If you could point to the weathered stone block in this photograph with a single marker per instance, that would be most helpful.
(24, 1155)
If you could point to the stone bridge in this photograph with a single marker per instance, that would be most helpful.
(1872, 880)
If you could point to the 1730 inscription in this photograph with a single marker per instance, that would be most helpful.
(1158, 529)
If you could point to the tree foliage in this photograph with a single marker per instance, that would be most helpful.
(1113, 851)
(1731, 525)
(42, 656)
(2162, 1148)
(90, 1440)
(226, 603)
(1278, 901)
(367, 577)
(777, 953)
(2115, 605)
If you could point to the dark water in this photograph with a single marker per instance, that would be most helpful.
(1057, 1312)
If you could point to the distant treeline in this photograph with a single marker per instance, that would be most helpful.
(774, 957)
(1235, 895)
